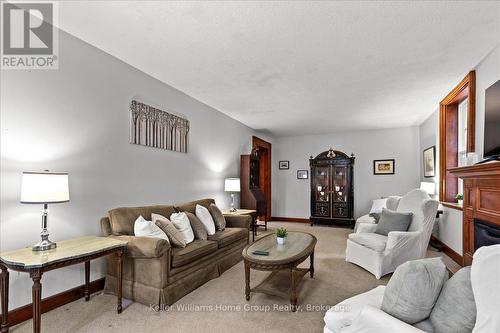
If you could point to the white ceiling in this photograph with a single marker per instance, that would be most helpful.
(295, 68)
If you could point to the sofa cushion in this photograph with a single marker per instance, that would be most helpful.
(219, 220)
(371, 240)
(191, 206)
(122, 219)
(192, 252)
(393, 221)
(455, 309)
(228, 236)
(414, 288)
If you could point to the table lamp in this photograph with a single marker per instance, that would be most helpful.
(44, 187)
(232, 185)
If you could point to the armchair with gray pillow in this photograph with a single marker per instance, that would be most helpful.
(382, 252)
(420, 298)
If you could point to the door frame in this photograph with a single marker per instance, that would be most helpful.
(266, 171)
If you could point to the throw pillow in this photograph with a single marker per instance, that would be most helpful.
(376, 216)
(198, 228)
(204, 215)
(174, 235)
(181, 222)
(414, 288)
(218, 217)
(144, 228)
(393, 221)
(378, 205)
(455, 309)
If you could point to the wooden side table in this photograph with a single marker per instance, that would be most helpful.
(251, 212)
(68, 252)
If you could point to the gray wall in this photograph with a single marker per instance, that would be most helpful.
(428, 139)
(487, 73)
(291, 196)
(76, 119)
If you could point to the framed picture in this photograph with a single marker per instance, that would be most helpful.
(429, 162)
(302, 174)
(284, 165)
(383, 167)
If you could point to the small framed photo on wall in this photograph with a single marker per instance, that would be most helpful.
(429, 158)
(302, 174)
(383, 167)
(284, 165)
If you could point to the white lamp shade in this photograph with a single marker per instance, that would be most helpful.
(430, 188)
(232, 185)
(44, 187)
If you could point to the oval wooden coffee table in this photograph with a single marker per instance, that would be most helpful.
(282, 261)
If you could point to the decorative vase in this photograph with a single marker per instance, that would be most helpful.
(460, 202)
(280, 240)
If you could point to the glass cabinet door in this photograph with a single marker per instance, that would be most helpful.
(322, 176)
(321, 191)
(340, 184)
(340, 190)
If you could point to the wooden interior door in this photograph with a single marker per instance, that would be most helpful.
(265, 171)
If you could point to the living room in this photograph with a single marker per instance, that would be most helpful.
(401, 97)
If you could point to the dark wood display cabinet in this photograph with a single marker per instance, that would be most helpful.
(332, 188)
(252, 196)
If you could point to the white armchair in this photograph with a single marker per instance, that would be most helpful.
(362, 313)
(381, 254)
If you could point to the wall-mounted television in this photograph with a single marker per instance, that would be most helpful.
(492, 122)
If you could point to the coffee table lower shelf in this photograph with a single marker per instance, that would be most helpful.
(282, 283)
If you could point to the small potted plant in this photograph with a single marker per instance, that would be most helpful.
(280, 235)
(460, 199)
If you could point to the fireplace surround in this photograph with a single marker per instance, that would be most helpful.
(481, 207)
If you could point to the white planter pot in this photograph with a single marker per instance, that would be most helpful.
(460, 202)
(280, 240)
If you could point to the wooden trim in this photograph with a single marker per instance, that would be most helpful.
(452, 205)
(290, 219)
(448, 135)
(471, 113)
(25, 312)
(485, 170)
(449, 252)
(258, 142)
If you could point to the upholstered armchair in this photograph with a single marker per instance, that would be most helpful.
(381, 254)
(363, 313)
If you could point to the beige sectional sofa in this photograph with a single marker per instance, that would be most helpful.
(154, 272)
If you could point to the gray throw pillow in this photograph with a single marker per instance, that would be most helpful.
(425, 325)
(393, 221)
(174, 235)
(219, 220)
(455, 309)
(414, 288)
(198, 228)
(376, 216)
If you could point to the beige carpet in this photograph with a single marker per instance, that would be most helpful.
(334, 281)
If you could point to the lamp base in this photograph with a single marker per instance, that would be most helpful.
(44, 245)
(233, 209)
